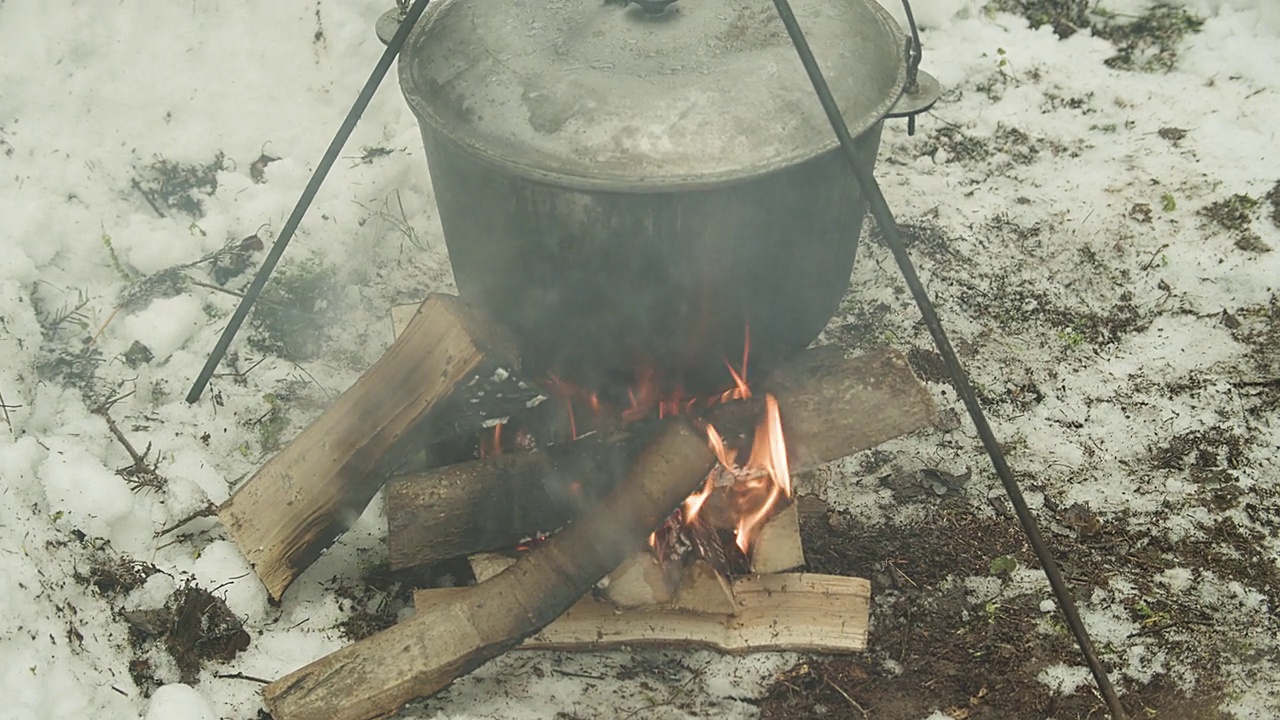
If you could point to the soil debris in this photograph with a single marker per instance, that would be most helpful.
(179, 187)
(194, 627)
(114, 575)
(1212, 448)
(381, 596)
(1235, 214)
(258, 168)
(1273, 198)
(1151, 41)
(1148, 42)
(980, 646)
(1067, 17)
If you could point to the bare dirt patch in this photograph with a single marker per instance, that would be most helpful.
(935, 648)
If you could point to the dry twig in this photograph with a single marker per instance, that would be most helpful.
(140, 474)
(5, 407)
(208, 510)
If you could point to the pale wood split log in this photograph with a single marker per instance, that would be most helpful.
(377, 675)
(831, 407)
(803, 612)
(641, 580)
(487, 565)
(311, 491)
(778, 547)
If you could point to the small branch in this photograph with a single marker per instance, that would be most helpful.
(846, 695)
(241, 676)
(570, 673)
(108, 404)
(242, 374)
(5, 407)
(209, 510)
(140, 474)
(138, 460)
(233, 293)
(103, 329)
(150, 200)
(327, 392)
(1151, 261)
(1259, 382)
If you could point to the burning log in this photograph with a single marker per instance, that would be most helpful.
(429, 383)
(831, 407)
(464, 629)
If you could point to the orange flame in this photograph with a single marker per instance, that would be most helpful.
(492, 445)
(694, 502)
(768, 453)
(757, 487)
(766, 474)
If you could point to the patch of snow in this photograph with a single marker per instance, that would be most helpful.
(1107, 622)
(165, 325)
(1178, 579)
(221, 565)
(179, 702)
(80, 489)
(983, 588)
(1065, 679)
(151, 594)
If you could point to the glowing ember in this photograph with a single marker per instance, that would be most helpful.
(492, 445)
(501, 440)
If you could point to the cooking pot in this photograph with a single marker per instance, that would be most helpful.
(638, 190)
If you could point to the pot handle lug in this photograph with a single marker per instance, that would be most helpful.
(921, 90)
(389, 21)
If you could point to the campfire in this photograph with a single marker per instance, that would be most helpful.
(588, 523)
(720, 521)
(715, 533)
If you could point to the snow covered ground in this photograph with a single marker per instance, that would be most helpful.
(1098, 235)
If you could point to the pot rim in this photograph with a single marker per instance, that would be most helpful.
(637, 182)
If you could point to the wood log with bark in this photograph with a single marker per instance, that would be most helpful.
(831, 407)
(377, 675)
(425, 385)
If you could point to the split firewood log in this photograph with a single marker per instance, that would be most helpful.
(450, 371)
(801, 612)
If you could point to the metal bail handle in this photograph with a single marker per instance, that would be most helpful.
(922, 90)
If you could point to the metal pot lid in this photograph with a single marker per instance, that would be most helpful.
(599, 94)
